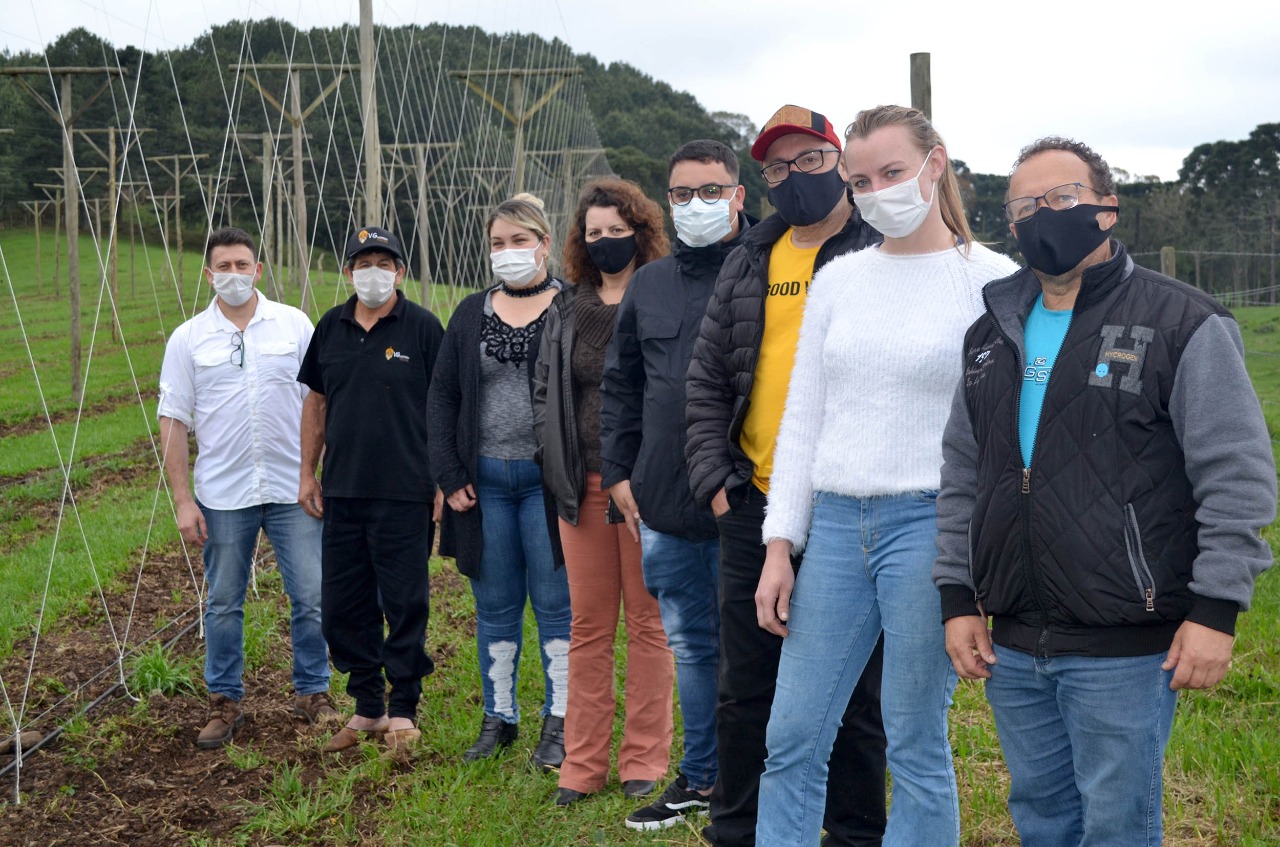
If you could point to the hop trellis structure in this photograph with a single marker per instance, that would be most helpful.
(264, 126)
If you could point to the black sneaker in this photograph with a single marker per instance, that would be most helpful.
(670, 808)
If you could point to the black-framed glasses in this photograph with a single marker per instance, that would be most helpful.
(681, 195)
(806, 162)
(237, 348)
(1059, 199)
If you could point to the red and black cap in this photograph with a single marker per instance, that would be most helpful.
(791, 119)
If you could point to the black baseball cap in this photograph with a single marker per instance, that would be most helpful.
(373, 238)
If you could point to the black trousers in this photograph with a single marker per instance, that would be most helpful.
(374, 568)
(749, 657)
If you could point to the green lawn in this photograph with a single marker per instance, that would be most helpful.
(1223, 770)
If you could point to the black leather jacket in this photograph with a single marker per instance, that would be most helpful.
(555, 420)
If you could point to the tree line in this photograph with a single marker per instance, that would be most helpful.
(1220, 214)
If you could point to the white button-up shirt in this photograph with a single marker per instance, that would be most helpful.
(246, 413)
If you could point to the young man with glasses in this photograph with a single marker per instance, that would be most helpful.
(229, 376)
(642, 432)
(737, 386)
(1098, 505)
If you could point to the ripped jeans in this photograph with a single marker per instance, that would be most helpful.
(517, 563)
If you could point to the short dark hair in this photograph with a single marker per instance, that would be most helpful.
(1099, 171)
(226, 237)
(706, 151)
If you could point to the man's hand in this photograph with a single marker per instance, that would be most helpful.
(773, 593)
(1200, 654)
(969, 646)
(463, 499)
(310, 495)
(191, 523)
(720, 503)
(621, 494)
(437, 507)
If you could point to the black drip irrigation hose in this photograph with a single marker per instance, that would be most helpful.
(20, 754)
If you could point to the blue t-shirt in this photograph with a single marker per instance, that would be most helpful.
(1044, 333)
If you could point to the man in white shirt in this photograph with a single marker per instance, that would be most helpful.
(229, 374)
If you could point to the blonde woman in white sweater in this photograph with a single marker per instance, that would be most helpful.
(855, 475)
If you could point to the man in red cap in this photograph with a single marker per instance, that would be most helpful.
(369, 367)
(737, 386)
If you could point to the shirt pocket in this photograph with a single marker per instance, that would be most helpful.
(216, 369)
(278, 361)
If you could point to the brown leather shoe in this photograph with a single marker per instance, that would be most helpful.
(348, 737)
(315, 708)
(224, 717)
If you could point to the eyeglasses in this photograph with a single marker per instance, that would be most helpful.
(681, 195)
(1058, 199)
(237, 348)
(806, 162)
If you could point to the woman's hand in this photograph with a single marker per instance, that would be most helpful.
(463, 499)
(621, 494)
(773, 594)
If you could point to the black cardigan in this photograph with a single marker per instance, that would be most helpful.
(453, 407)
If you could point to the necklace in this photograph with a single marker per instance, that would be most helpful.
(531, 291)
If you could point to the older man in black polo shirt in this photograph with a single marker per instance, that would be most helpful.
(368, 367)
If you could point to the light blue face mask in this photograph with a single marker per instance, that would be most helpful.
(699, 223)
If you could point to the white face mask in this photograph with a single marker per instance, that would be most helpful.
(899, 210)
(233, 289)
(699, 223)
(373, 285)
(516, 266)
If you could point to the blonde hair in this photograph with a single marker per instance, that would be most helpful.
(525, 211)
(926, 138)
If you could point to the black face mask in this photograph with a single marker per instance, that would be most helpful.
(1055, 242)
(803, 199)
(612, 255)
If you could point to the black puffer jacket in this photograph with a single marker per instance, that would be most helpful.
(723, 368)
(642, 421)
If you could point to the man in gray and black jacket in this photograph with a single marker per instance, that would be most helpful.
(1107, 471)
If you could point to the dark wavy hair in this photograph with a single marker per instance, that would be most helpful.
(641, 214)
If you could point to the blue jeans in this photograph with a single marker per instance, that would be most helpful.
(1084, 739)
(517, 563)
(683, 576)
(867, 567)
(228, 555)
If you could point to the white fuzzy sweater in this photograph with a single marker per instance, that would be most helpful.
(875, 371)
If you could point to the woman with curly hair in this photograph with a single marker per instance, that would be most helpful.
(615, 230)
(496, 524)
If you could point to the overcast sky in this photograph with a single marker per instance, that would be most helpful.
(1141, 82)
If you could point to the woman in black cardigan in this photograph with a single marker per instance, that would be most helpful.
(496, 520)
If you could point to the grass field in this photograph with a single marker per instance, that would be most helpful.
(1223, 768)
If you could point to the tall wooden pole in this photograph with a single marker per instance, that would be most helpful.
(268, 222)
(177, 217)
(921, 84)
(113, 260)
(517, 91)
(71, 193)
(369, 114)
(299, 195)
(424, 255)
(57, 245)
